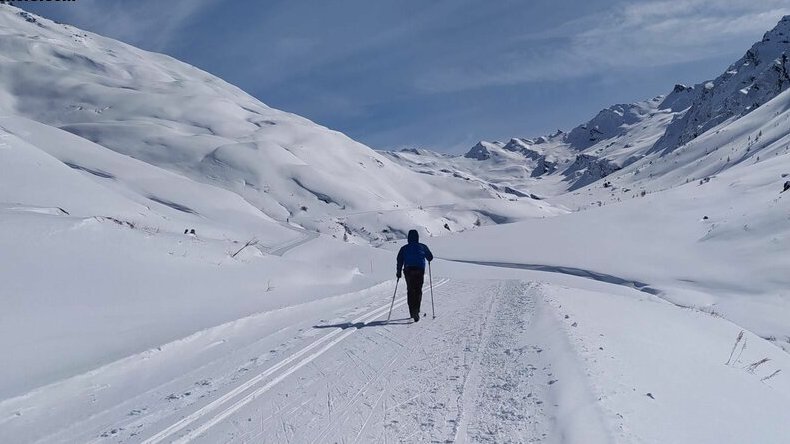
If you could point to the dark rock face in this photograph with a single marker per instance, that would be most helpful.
(587, 169)
(609, 123)
(478, 152)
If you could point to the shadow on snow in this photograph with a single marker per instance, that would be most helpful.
(358, 325)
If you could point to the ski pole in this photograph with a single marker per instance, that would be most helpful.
(393, 300)
(430, 279)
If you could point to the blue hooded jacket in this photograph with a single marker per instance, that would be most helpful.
(414, 253)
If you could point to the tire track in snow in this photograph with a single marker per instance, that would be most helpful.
(333, 338)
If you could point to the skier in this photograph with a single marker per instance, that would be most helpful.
(411, 259)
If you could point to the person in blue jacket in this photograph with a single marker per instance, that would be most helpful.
(411, 259)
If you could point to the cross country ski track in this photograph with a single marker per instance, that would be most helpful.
(463, 374)
(475, 373)
(234, 400)
(305, 236)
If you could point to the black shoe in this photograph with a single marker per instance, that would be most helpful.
(417, 317)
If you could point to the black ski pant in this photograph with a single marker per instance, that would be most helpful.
(414, 280)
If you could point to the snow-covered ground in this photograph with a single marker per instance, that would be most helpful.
(522, 356)
(720, 246)
(656, 314)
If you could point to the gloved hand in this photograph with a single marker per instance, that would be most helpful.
(397, 274)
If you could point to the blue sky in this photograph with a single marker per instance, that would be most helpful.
(440, 74)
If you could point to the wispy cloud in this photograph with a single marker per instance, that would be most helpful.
(633, 35)
(439, 73)
(152, 24)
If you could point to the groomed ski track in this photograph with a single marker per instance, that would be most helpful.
(479, 372)
(369, 381)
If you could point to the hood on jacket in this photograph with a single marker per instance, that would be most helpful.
(414, 237)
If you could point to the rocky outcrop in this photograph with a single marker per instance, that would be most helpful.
(587, 169)
(480, 151)
(610, 122)
(759, 76)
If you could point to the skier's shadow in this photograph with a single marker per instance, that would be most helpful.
(358, 325)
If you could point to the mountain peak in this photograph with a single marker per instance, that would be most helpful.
(516, 144)
(481, 151)
(780, 31)
(756, 78)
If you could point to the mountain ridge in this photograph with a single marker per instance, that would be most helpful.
(623, 134)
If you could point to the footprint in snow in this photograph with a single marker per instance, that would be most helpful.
(111, 432)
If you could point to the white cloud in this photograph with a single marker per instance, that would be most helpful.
(151, 24)
(638, 34)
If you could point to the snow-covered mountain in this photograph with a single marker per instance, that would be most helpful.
(177, 118)
(551, 165)
(629, 140)
(759, 76)
(629, 322)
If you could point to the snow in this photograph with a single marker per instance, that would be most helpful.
(668, 382)
(168, 114)
(622, 282)
(733, 263)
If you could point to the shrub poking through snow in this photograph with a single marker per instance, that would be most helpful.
(738, 340)
(770, 376)
(249, 243)
(754, 365)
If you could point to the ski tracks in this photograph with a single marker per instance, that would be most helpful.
(472, 374)
(205, 418)
(482, 371)
(476, 373)
(508, 405)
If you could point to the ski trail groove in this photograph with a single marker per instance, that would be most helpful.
(506, 406)
(250, 397)
(356, 397)
(387, 371)
(214, 405)
(471, 383)
(370, 415)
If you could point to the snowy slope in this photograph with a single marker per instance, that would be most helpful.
(96, 265)
(719, 246)
(171, 115)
